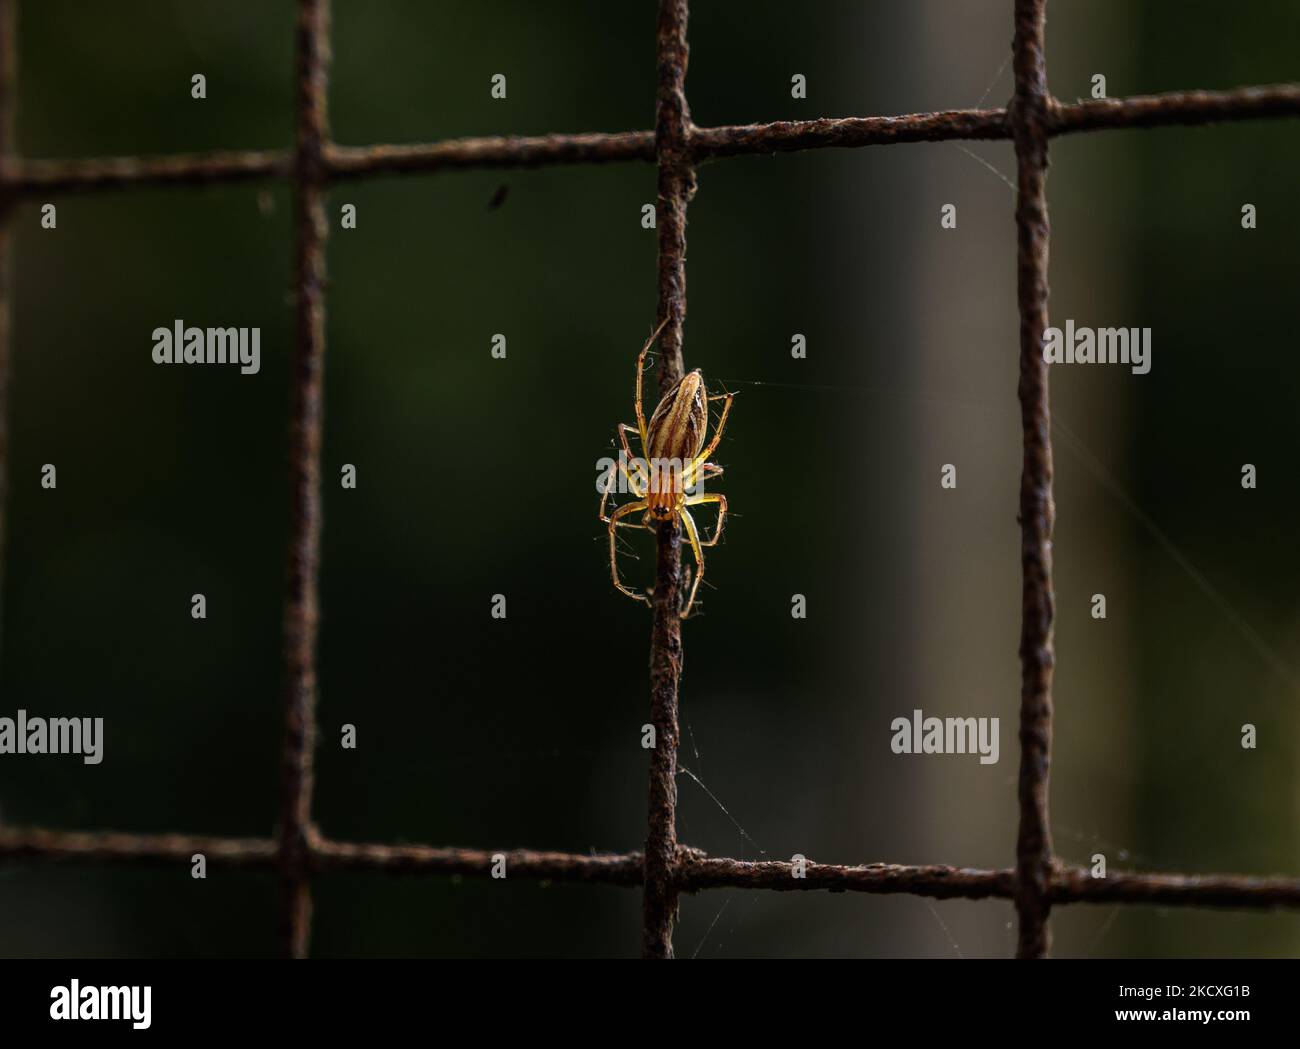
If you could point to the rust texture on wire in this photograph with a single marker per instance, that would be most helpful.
(301, 611)
(114, 846)
(694, 870)
(1034, 840)
(1184, 107)
(939, 882)
(788, 136)
(40, 177)
(493, 152)
(1077, 885)
(36, 177)
(605, 868)
(666, 868)
(676, 186)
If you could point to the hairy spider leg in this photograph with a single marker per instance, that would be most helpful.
(712, 497)
(717, 433)
(636, 484)
(609, 488)
(640, 371)
(698, 469)
(706, 471)
(693, 534)
(643, 472)
(614, 522)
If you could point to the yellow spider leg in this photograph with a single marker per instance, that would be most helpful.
(637, 484)
(693, 534)
(693, 477)
(609, 490)
(640, 369)
(712, 497)
(614, 522)
(717, 434)
(693, 474)
(642, 479)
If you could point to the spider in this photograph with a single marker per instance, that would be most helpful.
(675, 461)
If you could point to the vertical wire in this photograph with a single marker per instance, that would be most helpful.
(676, 185)
(1029, 116)
(301, 612)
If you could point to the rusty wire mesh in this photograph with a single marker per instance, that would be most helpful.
(666, 869)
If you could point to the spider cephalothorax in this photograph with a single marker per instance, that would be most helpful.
(666, 481)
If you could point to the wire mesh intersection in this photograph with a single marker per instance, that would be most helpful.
(666, 868)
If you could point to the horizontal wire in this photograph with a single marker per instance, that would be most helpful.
(39, 843)
(611, 869)
(694, 870)
(27, 177)
(1176, 107)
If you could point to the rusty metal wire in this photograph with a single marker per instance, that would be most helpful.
(49, 178)
(1185, 107)
(676, 186)
(301, 597)
(666, 868)
(1028, 119)
(693, 870)
(37, 843)
(30, 177)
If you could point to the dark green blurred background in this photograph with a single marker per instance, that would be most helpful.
(477, 477)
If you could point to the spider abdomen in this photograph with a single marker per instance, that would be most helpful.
(678, 426)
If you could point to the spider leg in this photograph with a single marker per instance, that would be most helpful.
(695, 474)
(634, 483)
(693, 534)
(712, 497)
(640, 370)
(717, 434)
(609, 489)
(614, 522)
(642, 479)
